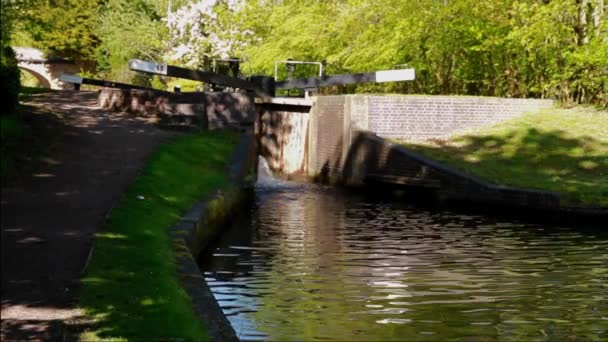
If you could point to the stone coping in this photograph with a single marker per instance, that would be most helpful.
(292, 101)
(199, 226)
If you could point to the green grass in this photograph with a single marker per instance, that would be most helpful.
(560, 150)
(131, 289)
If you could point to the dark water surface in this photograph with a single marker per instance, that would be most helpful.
(310, 263)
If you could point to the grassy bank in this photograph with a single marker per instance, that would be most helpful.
(130, 288)
(561, 150)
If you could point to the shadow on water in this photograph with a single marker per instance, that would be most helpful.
(383, 270)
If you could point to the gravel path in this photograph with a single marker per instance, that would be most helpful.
(49, 217)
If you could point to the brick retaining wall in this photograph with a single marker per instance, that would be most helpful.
(438, 117)
(333, 119)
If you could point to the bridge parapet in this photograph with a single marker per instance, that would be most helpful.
(46, 70)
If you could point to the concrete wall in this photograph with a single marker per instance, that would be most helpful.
(207, 110)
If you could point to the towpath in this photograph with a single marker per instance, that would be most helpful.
(49, 217)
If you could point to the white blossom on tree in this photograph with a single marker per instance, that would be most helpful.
(196, 30)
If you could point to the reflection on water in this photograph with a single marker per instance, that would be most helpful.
(312, 264)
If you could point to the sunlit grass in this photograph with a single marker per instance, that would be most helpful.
(131, 288)
(560, 150)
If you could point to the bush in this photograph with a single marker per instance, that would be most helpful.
(9, 80)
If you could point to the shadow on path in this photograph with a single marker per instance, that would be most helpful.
(49, 216)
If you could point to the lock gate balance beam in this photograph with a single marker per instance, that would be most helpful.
(77, 81)
(259, 84)
(370, 77)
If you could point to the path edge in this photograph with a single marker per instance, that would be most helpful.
(201, 225)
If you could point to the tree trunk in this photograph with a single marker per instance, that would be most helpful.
(598, 13)
(583, 38)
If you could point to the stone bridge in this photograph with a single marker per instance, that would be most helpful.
(46, 70)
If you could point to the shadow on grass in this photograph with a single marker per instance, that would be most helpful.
(532, 158)
(131, 288)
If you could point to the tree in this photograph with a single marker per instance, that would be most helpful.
(201, 30)
(62, 27)
(127, 30)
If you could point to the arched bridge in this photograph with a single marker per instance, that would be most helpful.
(46, 70)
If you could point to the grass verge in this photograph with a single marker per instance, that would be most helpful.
(131, 289)
(560, 150)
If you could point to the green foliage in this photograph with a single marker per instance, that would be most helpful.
(127, 30)
(10, 77)
(537, 151)
(7, 17)
(528, 48)
(494, 48)
(131, 288)
(62, 27)
(185, 85)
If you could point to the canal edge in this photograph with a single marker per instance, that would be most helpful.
(199, 226)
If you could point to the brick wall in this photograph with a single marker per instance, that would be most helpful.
(208, 110)
(333, 119)
(340, 148)
(424, 117)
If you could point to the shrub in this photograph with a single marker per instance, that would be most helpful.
(9, 80)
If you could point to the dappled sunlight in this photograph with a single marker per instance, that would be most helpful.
(43, 175)
(133, 288)
(588, 165)
(111, 236)
(93, 280)
(549, 151)
(147, 302)
(72, 164)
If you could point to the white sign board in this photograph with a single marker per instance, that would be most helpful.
(149, 67)
(67, 78)
(395, 75)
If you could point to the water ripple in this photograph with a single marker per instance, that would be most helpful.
(312, 264)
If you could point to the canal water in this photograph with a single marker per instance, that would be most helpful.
(311, 263)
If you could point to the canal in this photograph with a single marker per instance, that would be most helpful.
(311, 263)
